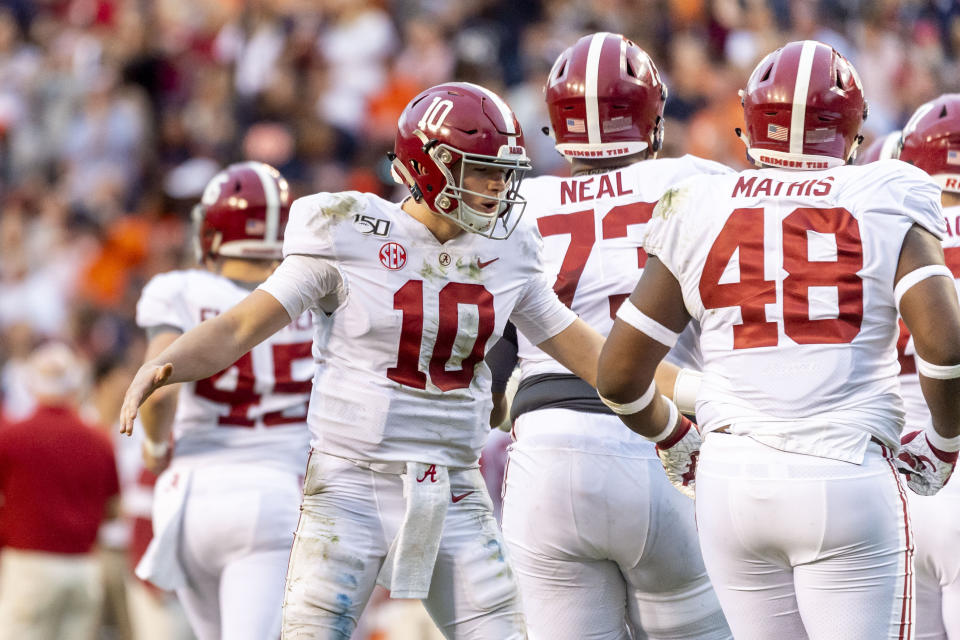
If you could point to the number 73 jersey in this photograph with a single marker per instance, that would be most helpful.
(401, 374)
(791, 275)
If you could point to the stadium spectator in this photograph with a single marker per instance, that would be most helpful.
(58, 482)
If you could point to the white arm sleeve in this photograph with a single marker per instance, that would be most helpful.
(302, 282)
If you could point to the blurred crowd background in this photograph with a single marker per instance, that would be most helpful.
(115, 113)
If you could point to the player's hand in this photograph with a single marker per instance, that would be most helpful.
(679, 454)
(149, 378)
(926, 468)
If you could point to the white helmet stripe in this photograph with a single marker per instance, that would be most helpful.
(591, 76)
(505, 111)
(272, 194)
(799, 114)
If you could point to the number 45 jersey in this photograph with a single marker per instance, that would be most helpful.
(791, 275)
(255, 409)
(401, 375)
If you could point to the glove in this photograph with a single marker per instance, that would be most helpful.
(679, 453)
(926, 467)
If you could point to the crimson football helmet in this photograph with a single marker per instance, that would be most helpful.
(605, 99)
(883, 148)
(449, 129)
(803, 108)
(243, 213)
(931, 140)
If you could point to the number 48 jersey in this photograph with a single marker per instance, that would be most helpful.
(255, 409)
(791, 275)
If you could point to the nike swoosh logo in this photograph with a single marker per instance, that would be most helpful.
(482, 264)
(460, 497)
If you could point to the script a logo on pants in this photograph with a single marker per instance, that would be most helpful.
(431, 473)
(393, 256)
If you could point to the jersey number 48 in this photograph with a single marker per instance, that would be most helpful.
(743, 232)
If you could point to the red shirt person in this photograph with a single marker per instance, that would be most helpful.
(58, 481)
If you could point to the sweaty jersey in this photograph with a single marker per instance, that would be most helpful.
(592, 227)
(918, 415)
(401, 374)
(791, 275)
(254, 410)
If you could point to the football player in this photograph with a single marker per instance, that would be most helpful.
(795, 272)
(931, 141)
(235, 439)
(407, 297)
(617, 556)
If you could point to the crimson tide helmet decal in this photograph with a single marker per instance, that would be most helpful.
(931, 140)
(803, 108)
(243, 213)
(605, 99)
(449, 129)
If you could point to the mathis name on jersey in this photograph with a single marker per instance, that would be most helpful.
(754, 187)
(591, 188)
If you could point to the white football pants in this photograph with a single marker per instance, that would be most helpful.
(805, 547)
(349, 517)
(936, 526)
(602, 544)
(235, 542)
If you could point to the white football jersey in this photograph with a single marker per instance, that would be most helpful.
(401, 374)
(592, 227)
(791, 277)
(918, 415)
(255, 409)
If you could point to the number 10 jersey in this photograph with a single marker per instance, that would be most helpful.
(791, 275)
(401, 375)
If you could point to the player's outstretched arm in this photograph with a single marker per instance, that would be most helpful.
(577, 348)
(631, 372)
(206, 349)
(929, 307)
(642, 334)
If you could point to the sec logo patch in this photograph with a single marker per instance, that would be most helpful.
(393, 256)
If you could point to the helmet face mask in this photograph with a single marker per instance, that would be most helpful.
(446, 133)
(803, 108)
(242, 214)
(605, 99)
(931, 140)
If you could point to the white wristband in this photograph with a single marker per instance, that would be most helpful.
(944, 444)
(643, 323)
(671, 423)
(918, 275)
(632, 407)
(685, 390)
(937, 371)
(156, 449)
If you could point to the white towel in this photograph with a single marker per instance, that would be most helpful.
(408, 567)
(160, 564)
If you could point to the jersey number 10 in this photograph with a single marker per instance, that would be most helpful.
(743, 232)
(409, 300)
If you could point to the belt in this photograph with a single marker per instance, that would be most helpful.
(725, 430)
